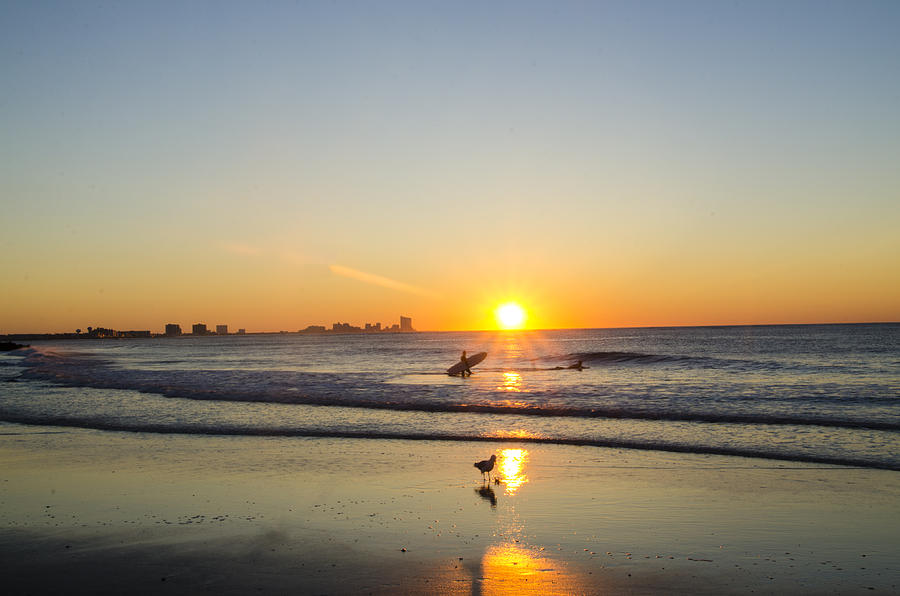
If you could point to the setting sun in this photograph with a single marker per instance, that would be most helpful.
(510, 316)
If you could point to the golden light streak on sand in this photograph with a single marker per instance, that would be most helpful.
(511, 569)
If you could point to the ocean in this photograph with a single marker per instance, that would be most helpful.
(827, 394)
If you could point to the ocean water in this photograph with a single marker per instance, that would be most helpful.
(809, 393)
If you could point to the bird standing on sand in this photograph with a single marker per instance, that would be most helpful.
(486, 466)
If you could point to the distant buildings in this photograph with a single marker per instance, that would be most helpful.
(200, 329)
(405, 326)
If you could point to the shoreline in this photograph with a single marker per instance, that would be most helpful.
(104, 512)
(188, 431)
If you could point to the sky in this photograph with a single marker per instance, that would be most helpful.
(275, 165)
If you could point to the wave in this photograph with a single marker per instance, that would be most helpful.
(845, 409)
(702, 362)
(625, 357)
(647, 445)
(338, 392)
(611, 358)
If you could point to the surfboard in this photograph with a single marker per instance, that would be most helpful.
(472, 360)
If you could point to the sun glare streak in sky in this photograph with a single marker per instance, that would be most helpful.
(384, 282)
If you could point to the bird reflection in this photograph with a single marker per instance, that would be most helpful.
(487, 493)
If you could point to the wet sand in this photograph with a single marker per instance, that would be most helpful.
(98, 512)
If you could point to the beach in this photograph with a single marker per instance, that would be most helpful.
(86, 511)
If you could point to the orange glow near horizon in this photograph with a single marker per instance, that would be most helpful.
(279, 295)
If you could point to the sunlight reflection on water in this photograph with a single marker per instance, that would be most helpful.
(512, 469)
(512, 381)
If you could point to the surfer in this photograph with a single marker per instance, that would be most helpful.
(466, 370)
(577, 366)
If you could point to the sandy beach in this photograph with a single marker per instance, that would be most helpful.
(93, 512)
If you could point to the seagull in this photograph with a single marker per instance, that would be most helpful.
(486, 466)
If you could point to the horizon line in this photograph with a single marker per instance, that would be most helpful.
(528, 330)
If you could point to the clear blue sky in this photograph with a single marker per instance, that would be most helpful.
(449, 146)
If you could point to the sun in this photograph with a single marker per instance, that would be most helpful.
(510, 316)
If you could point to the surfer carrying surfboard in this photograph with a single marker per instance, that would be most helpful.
(466, 370)
(463, 368)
